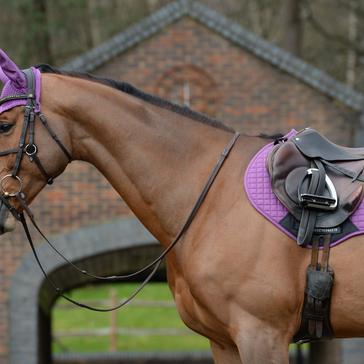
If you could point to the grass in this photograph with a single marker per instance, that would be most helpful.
(127, 317)
(65, 319)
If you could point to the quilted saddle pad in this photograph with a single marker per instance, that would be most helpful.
(258, 188)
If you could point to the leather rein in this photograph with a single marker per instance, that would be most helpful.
(30, 149)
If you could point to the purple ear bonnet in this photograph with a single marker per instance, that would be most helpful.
(15, 84)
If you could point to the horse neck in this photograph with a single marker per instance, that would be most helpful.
(156, 159)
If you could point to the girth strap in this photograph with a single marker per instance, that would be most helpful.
(315, 321)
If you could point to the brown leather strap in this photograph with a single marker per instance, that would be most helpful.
(42, 170)
(315, 252)
(315, 322)
(154, 264)
(44, 121)
(326, 253)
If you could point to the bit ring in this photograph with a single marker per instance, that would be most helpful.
(7, 193)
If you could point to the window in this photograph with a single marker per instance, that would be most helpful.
(190, 86)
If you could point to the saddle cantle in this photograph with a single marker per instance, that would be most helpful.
(297, 164)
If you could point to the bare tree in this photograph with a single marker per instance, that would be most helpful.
(333, 34)
(262, 17)
(292, 27)
(352, 37)
(37, 14)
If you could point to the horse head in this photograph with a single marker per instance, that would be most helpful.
(28, 158)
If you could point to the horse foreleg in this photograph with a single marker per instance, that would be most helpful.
(225, 354)
(263, 348)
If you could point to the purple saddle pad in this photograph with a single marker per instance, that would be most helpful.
(258, 188)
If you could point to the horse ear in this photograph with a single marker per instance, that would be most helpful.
(11, 71)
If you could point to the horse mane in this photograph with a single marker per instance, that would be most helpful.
(133, 91)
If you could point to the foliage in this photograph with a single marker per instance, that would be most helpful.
(54, 31)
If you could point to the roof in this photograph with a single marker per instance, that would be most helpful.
(231, 31)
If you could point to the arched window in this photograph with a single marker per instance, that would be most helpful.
(190, 86)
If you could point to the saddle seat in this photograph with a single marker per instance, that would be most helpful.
(289, 165)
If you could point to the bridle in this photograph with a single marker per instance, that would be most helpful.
(30, 149)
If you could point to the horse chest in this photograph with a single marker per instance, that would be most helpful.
(198, 314)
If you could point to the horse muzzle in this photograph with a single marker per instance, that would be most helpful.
(7, 220)
(8, 214)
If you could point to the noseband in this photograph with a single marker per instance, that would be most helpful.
(30, 149)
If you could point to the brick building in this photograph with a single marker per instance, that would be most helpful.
(189, 54)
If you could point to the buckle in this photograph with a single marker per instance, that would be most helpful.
(318, 202)
(280, 140)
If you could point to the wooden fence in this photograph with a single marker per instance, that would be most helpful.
(113, 331)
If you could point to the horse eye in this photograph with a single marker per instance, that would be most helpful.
(5, 127)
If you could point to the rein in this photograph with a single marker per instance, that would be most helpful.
(30, 149)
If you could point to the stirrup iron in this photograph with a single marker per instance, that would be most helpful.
(318, 202)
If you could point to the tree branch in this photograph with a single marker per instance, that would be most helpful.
(338, 38)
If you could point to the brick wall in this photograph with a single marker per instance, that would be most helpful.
(235, 86)
(251, 95)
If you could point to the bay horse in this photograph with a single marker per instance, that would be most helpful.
(236, 279)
